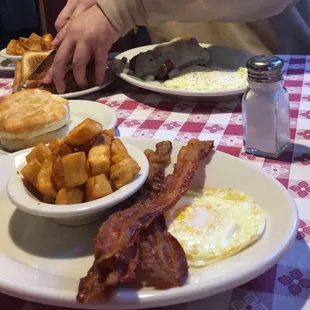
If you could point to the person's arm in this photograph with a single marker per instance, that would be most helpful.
(125, 14)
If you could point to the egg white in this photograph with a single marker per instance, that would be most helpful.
(207, 79)
(215, 224)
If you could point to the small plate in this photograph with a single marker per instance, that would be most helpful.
(82, 109)
(75, 214)
(42, 261)
(13, 58)
(222, 57)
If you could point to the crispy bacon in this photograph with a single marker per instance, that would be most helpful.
(90, 288)
(121, 231)
(162, 258)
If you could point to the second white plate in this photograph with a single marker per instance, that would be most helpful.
(82, 109)
(221, 57)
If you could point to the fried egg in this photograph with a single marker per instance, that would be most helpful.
(215, 224)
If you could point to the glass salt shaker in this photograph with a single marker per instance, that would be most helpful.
(265, 108)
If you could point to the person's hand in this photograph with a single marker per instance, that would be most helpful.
(88, 35)
(73, 9)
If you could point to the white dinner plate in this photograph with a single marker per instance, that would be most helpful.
(82, 109)
(8, 64)
(4, 54)
(222, 57)
(43, 261)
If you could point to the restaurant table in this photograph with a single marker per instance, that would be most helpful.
(148, 115)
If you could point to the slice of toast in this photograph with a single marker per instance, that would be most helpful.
(30, 61)
(18, 76)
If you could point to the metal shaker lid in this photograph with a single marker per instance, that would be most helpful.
(265, 69)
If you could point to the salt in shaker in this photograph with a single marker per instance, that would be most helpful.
(265, 108)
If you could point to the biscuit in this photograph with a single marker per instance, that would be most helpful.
(31, 113)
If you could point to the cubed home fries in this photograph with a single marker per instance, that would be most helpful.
(88, 164)
(34, 43)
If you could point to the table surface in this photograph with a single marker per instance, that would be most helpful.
(148, 115)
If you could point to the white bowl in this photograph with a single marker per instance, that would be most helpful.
(13, 58)
(75, 214)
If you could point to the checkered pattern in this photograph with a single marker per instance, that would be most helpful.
(145, 114)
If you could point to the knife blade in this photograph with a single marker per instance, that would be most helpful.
(41, 68)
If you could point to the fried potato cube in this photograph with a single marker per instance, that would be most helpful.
(44, 183)
(20, 50)
(40, 152)
(23, 42)
(34, 38)
(47, 37)
(69, 196)
(110, 133)
(35, 47)
(55, 144)
(64, 150)
(124, 172)
(11, 49)
(60, 148)
(97, 187)
(31, 170)
(118, 151)
(47, 199)
(46, 45)
(58, 174)
(83, 133)
(99, 159)
(75, 169)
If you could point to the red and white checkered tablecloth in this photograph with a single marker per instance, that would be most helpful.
(145, 114)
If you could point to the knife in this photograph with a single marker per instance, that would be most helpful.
(41, 68)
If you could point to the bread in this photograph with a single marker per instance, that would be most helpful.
(18, 77)
(13, 145)
(30, 62)
(32, 116)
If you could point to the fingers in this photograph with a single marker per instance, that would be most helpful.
(48, 78)
(62, 32)
(65, 14)
(60, 35)
(81, 58)
(62, 58)
(101, 57)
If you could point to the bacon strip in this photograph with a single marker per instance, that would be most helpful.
(90, 288)
(162, 258)
(121, 231)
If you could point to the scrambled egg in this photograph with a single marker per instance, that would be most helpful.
(204, 79)
(215, 224)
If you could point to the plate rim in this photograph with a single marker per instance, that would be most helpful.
(4, 54)
(177, 92)
(168, 297)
